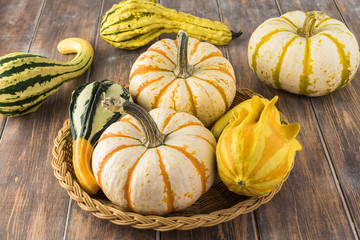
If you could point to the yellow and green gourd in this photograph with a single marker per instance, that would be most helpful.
(134, 23)
(255, 152)
(304, 53)
(27, 79)
(88, 120)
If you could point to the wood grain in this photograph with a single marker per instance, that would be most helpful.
(33, 205)
(83, 225)
(338, 113)
(310, 195)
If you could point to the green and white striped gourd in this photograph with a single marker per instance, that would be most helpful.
(88, 120)
(27, 79)
(134, 23)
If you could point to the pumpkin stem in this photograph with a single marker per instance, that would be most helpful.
(153, 136)
(183, 69)
(308, 28)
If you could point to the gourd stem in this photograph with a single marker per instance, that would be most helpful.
(308, 28)
(153, 136)
(183, 69)
(236, 34)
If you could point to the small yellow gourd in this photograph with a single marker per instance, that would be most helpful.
(255, 152)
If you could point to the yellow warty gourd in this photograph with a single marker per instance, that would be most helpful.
(255, 152)
(134, 23)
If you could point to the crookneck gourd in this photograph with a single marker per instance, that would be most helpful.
(186, 75)
(156, 162)
(255, 152)
(27, 79)
(304, 53)
(134, 23)
(88, 120)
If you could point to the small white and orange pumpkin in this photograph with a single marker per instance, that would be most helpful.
(154, 163)
(186, 75)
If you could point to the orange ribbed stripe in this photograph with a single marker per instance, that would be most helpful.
(127, 120)
(218, 88)
(187, 125)
(126, 188)
(200, 166)
(169, 199)
(107, 158)
(111, 135)
(195, 47)
(210, 55)
(145, 85)
(161, 93)
(161, 52)
(142, 69)
(167, 120)
(191, 99)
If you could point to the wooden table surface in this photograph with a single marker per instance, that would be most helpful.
(320, 200)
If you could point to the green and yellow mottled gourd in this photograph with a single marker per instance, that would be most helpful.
(134, 23)
(27, 79)
(304, 53)
(88, 120)
(255, 152)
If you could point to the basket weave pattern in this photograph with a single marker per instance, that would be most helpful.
(216, 206)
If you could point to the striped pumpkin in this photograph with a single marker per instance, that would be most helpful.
(26, 79)
(88, 120)
(304, 53)
(186, 75)
(157, 163)
(255, 151)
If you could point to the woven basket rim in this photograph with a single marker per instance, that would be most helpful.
(139, 221)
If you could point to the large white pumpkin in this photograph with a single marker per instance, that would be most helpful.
(304, 53)
(158, 178)
(186, 75)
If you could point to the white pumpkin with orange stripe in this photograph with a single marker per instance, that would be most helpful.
(204, 86)
(304, 53)
(149, 171)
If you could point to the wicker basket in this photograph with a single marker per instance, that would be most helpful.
(216, 206)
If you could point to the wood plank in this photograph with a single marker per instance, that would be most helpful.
(83, 225)
(113, 64)
(18, 22)
(306, 206)
(338, 113)
(33, 205)
(241, 227)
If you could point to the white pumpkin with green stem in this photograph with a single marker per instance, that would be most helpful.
(154, 163)
(304, 53)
